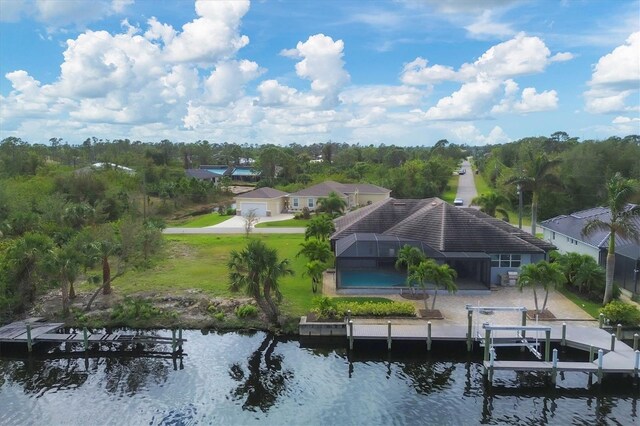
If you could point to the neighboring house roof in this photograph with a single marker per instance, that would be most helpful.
(106, 166)
(262, 193)
(201, 174)
(245, 171)
(219, 169)
(440, 225)
(572, 225)
(343, 189)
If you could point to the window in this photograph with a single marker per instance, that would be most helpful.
(295, 202)
(506, 260)
(310, 203)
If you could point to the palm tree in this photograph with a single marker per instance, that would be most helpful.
(440, 275)
(320, 227)
(621, 223)
(571, 263)
(492, 203)
(257, 269)
(64, 263)
(536, 175)
(543, 274)
(589, 275)
(333, 204)
(102, 250)
(409, 257)
(314, 270)
(316, 250)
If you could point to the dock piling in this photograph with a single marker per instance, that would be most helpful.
(350, 335)
(637, 365)
(173, 340)
(600, 356)
(429, 335)
(613, 342)
(388, 335)
(601, 320)
(524, 323)
(635, 341)
(492, 360)
(29, 341)
(547, 345)
(487, 342)
(563, 342)
(554, 371)
(591, 353)
(469, 330)
(85, 338)
(180, 338)
(619, 332)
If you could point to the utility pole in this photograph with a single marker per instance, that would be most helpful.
(519, 206)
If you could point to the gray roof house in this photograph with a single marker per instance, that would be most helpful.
(354, 194)
(565, 232)
(479, 247)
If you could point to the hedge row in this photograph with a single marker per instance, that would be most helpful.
(376, 309)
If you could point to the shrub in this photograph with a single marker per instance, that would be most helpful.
(219, 316)
(306, 213)
(134, 309)
(325, 307)
(618, 312)
(377, 309)
(246, 311)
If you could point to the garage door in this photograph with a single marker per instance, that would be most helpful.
(259, 208)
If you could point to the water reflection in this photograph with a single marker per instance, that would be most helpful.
(264, 378)
(260, 378)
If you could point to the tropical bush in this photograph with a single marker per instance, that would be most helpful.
(246, 311)
(325, 307)
(377, 309)
(618, 312)
(134, 309)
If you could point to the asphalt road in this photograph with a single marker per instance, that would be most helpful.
(466, 185)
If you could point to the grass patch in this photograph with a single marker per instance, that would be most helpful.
(204, 220)
(481, 185)
(289, 223)
(452, 189)
(590, 307)
(200, 262)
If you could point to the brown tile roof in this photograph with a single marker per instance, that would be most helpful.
(439, 224)
(262, 193)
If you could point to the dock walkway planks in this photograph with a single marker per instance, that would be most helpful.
(621, 360)
(587, 367)
(51, 332)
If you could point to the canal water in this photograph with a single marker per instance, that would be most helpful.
(258, 378)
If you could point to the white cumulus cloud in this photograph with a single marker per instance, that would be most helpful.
(615, 77)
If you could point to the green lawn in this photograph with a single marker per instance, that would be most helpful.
(482, 187)
(592, 308)
(452, 189)
(204, 220)
(200, 262)
(289, 223)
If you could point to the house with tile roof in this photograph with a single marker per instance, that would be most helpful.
(354, 194)
(565, 232)
(215, 173)
(479, 247)
(264, 202)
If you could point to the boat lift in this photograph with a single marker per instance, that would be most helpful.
(489, 340)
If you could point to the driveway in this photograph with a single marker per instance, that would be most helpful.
(235, 225)
(466, 185)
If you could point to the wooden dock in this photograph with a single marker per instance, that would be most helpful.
(33, 331)
(617, 357)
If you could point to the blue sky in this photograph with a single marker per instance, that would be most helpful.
(403, 72)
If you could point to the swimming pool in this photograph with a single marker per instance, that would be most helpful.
(371, 278)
